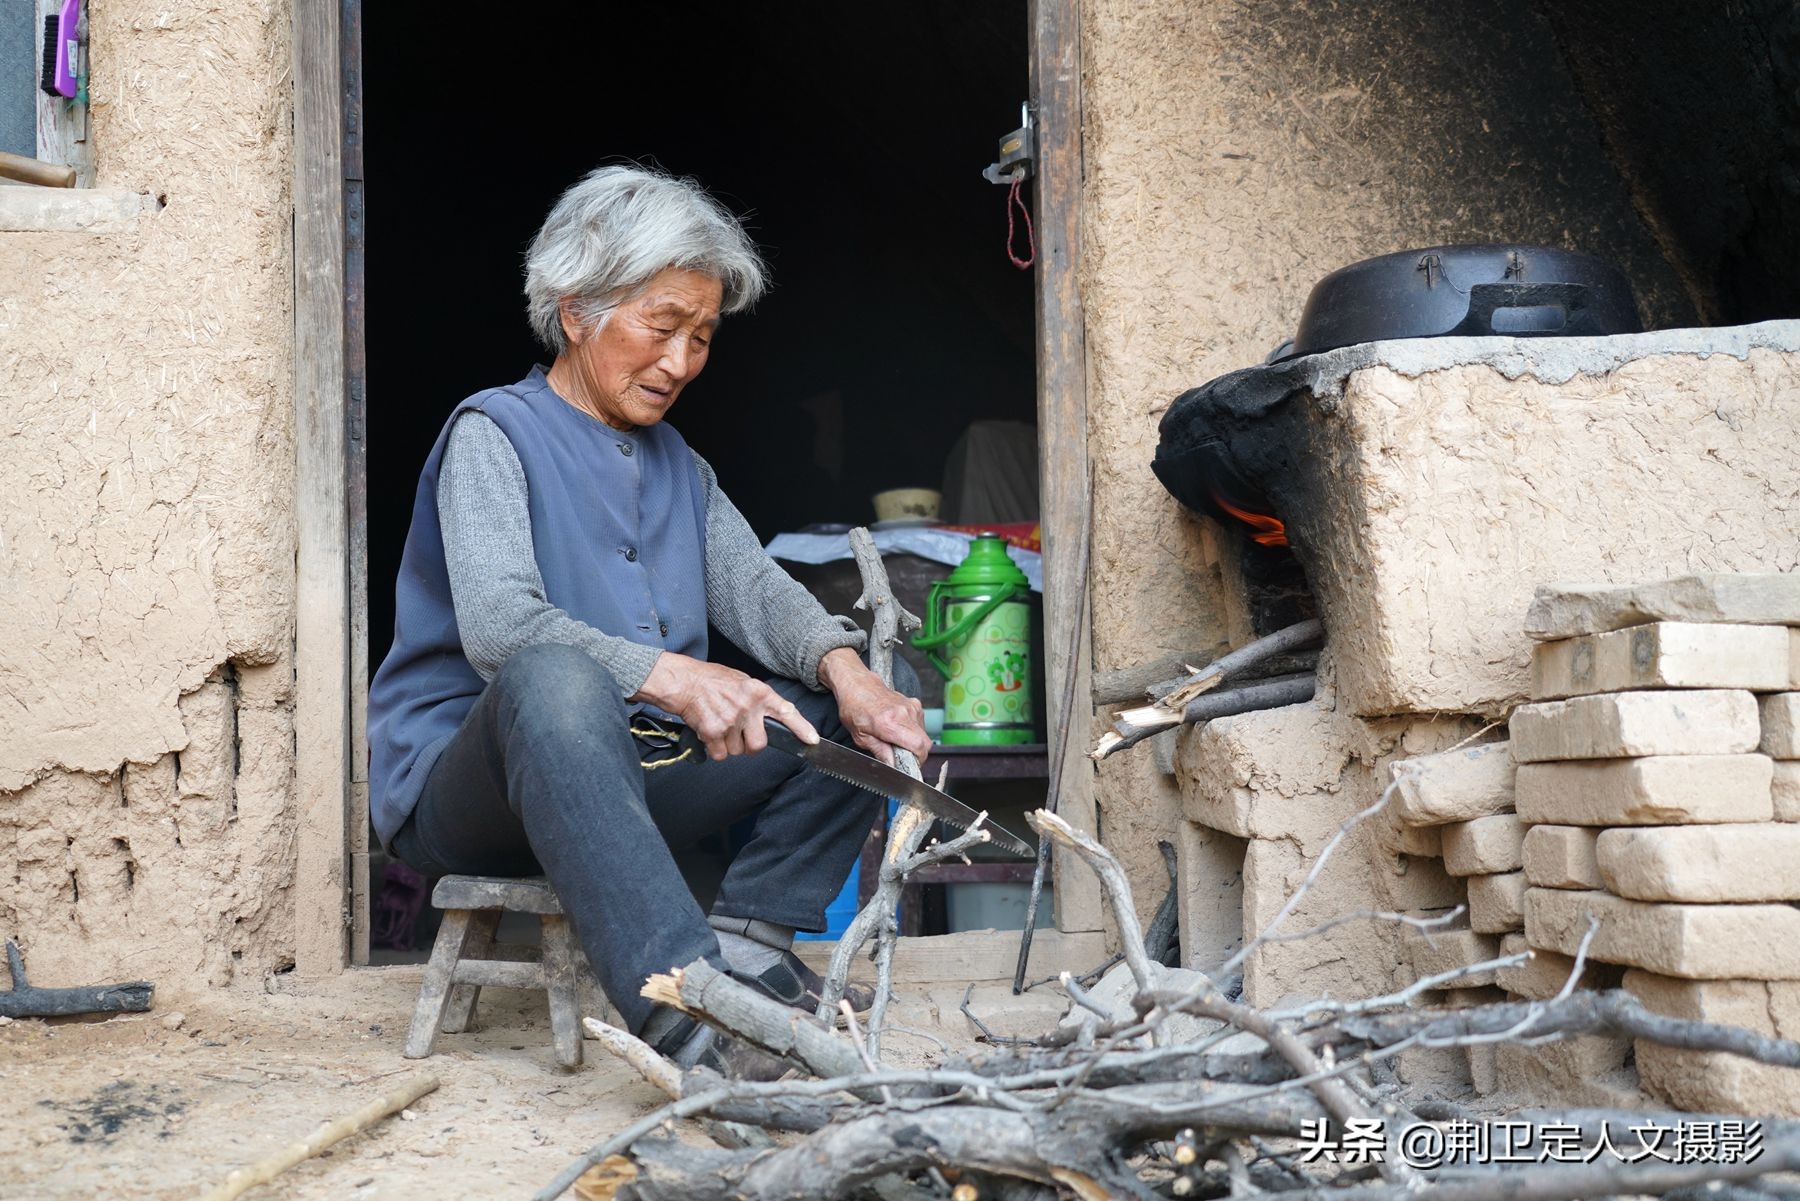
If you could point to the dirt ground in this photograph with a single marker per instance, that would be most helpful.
(152, 1106)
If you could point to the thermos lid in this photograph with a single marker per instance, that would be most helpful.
(988, 563)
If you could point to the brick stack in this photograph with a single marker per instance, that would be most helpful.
(1458, 807)
(1658, 783)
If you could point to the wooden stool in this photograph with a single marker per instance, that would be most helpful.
(465, 957)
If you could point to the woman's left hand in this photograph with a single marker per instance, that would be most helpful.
(878, 718)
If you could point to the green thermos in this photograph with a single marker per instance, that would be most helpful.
(978, 634)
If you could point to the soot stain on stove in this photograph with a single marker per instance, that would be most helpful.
(107, 1111)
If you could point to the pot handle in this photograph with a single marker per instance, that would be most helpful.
(1509, 309)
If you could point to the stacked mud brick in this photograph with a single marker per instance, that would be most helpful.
(1658, 783)
(1458, 806)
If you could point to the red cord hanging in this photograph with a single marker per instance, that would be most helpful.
(1014, 199)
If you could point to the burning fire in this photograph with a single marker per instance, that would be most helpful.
(1269, 530)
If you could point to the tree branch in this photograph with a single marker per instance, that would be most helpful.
(1112, 880)
(703, 991)
(1612, 1011)
(908, 831)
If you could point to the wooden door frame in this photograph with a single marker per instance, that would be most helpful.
(1065, 498)
(331, 901)
(326, 838)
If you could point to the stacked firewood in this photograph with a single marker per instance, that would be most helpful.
(1265, 674)
(1142, 1100)
(1169, 1087)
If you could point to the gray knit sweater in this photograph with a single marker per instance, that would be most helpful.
(484, 512)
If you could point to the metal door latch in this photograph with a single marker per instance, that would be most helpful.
(1018, 152)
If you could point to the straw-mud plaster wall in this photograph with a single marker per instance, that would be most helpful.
(1235, 153)
(146, 726)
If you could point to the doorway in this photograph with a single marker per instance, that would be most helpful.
(850, 139)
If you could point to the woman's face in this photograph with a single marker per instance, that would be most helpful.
(631, 369)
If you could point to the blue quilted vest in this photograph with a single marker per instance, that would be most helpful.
(618, 521)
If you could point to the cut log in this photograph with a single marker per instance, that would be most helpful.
(27, 1001)
(1134, 683)
(1134, 725)
(703, 991)
(1288, 663)
(1216, 672)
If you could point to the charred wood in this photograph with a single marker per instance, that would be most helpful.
(25, 1000)
(1287, 664)
(1219, 670)
(1290, 664)
(1134, 725)
(1162, 937)
(1174, 698)
(1135, 683)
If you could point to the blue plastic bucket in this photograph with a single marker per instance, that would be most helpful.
(842, 911)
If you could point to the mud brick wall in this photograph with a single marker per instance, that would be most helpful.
(1265, 794)
(1645, 789)
(146, 732)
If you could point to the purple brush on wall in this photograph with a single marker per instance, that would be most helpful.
(62, 50)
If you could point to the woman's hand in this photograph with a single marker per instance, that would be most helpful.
(878, 718)
(723, 706)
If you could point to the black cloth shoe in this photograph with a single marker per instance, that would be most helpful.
(735, 1059)
(690, 1045)
(794, 984)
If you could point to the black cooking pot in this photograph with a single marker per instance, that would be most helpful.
(1444, 291)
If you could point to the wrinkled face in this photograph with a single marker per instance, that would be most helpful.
(632, 368)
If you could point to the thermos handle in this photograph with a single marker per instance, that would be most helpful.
(932, 639)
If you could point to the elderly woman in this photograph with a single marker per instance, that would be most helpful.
(548, 706)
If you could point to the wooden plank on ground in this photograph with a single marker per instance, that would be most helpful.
(979, 956)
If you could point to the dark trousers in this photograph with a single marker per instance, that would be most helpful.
(546, 777)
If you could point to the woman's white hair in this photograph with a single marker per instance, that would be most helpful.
(617, 228)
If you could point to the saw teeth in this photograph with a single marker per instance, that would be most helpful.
(949, 821)
(998, 835)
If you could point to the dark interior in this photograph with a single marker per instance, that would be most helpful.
(851, 138)
(1699, 107)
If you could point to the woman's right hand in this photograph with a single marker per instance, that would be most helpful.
(722, 705)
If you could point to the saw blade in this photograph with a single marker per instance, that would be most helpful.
(853, 767)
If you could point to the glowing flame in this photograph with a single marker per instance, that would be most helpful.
(1269, 530)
